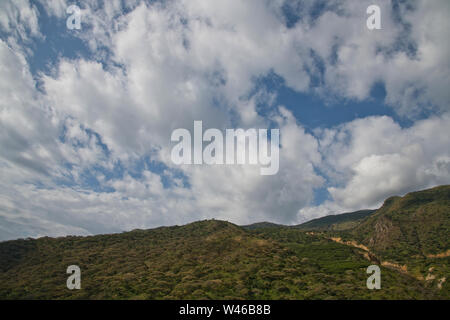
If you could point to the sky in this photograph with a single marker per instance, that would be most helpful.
(86, 115)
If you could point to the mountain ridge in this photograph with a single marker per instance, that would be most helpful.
(215, 259)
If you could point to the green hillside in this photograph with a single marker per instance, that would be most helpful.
(413, 230)
(262, 225)
(341, 221)
(409, 225)
(218, 260)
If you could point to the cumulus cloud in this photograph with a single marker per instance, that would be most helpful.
(78, 143)
(374, 158)
(27, 127)
(19, 20)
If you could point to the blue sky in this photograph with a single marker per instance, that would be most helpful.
(86, 115)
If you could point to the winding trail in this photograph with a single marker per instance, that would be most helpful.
(371, 256)
(439, 255)
(402, 268)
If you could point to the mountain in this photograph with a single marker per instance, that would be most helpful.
(409, 225)
(341, 221)
(412, 231)
(215, 259)
(262, 225)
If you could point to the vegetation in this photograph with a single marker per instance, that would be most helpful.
(412, 230)
(261, 225)
(342, 221)
(218, 260)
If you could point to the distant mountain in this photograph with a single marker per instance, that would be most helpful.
(212, 259)
(341, 221)
(262, 225)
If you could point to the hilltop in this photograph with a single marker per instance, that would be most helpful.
(343, 221)
(215, 259)
(412, 231)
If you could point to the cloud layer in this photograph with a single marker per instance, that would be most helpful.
(85, 144)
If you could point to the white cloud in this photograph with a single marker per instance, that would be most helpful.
(55, 7)
(19, 19)
(373, 158)
(159, 67)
